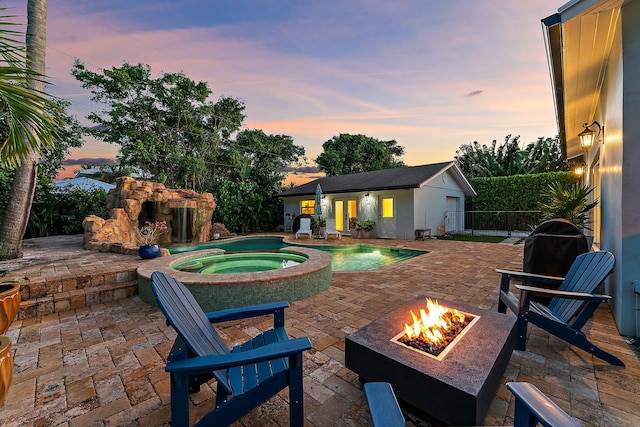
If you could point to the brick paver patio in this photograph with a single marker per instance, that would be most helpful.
(104, 364)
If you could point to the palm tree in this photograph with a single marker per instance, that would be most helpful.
(571, 203)
(24, 104)
(30, 126)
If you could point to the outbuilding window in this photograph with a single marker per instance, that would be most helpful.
(308, 207)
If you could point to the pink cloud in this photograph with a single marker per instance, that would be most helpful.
(409, 90)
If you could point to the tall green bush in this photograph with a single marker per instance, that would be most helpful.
(56, 212)
(515, 192)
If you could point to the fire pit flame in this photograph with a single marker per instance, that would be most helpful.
(434, 329)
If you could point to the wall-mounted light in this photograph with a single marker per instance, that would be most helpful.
(588, 136)
(366, 196)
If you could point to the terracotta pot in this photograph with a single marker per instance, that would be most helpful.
(9, 304)
(6, 367)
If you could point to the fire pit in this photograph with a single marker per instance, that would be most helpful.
(436, 330)
(455, 386)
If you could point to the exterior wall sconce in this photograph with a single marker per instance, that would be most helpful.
(587, 141)
(588, 136)
(366, 196)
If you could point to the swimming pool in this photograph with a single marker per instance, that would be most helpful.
(345, 258)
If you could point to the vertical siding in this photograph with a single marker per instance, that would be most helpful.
(619, 156)
(625, 309)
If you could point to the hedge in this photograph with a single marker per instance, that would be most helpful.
(515, 192)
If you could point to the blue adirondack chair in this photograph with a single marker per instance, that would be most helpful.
(383, 405)
(531, 407)
(246, 375)
(572, 304)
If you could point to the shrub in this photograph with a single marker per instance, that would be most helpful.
(515, 192)
(365, 224)
(571, 203)
(62, 212)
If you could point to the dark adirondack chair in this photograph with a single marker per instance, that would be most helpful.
(572, 304)
(383, 405)
(531, 407)
(246, 375)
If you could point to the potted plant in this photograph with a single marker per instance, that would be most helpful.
(147, 235)
(353, 228)
(6, 367)
(365, 227)
(9, 302)
(571, 203)
(322, 226)
(215, 231)
(9, 307)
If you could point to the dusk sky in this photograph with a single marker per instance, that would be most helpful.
(432, 75)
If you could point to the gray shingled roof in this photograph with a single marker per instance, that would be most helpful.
(386, 179)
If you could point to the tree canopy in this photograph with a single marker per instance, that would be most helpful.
(247, 191)
(69, 136)
(166, 126)
(544, 155)
(346, 153)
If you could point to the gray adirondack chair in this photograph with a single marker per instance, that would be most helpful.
(246, 375)
(572, 304)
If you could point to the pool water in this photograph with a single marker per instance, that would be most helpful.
(362, 257)
(345, 258)
(241, 262)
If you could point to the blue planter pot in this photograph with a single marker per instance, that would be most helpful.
(149, 252)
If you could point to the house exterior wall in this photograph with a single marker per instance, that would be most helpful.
(620, 194)
(366, 208)
(625, 308)
(431, 202)
(411, 205)
(610, 165)
(403, 210)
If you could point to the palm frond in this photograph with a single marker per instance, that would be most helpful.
(25, 113)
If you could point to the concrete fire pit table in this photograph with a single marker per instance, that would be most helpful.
(457, 389)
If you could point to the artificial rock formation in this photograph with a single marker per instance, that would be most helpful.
(132, 203)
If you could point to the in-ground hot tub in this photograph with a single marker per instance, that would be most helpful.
(242, 262)
(230, 290)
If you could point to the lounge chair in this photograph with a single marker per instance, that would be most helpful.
(246, 375)
(572, 304)
(305, 227)
(531, 407)
(330, 228)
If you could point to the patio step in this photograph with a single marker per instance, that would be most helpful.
(43, 297)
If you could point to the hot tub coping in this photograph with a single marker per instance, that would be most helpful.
(222, 291)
